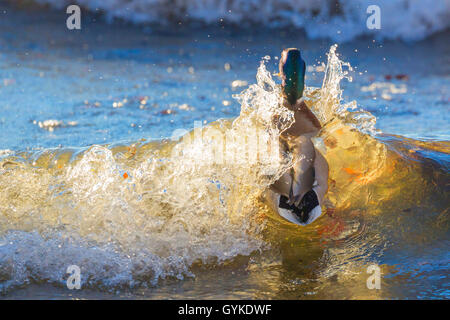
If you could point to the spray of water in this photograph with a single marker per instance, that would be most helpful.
(131, 215)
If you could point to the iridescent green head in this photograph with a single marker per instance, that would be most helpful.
(292, 73)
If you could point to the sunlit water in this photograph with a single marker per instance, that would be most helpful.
(89, 175)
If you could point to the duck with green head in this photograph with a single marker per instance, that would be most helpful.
(299, 193)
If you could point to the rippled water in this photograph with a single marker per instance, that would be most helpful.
(87, 178)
